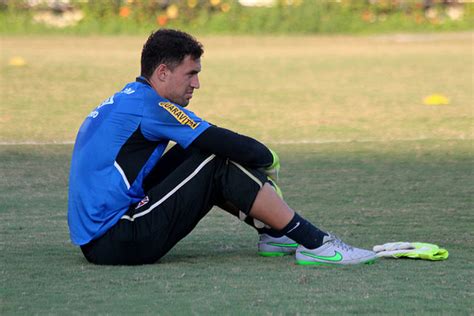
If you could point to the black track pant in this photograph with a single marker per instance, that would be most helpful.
(181, 190)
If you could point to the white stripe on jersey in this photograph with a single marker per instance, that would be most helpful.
(124, 177)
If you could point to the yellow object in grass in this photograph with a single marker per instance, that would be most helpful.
(17, 62)
(436, 99)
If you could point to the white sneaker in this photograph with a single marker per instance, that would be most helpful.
(269, 246)
(333, 252)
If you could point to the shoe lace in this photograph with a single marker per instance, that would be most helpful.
(336, 241)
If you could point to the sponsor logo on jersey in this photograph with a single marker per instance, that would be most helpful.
(144, 201)
(178, 114)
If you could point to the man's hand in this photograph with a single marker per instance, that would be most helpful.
(274, 169)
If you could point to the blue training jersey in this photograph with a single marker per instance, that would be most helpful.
(117, 146)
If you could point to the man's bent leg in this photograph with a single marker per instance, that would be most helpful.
(174, 208)
(271, 209)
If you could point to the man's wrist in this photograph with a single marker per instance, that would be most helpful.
(276, 160)
(274, 169)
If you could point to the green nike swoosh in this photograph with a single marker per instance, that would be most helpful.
(335, 258)
(282, 245)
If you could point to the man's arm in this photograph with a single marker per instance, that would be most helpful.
(239, 148)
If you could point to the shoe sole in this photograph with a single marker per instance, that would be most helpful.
(290, 247)
(318, 263)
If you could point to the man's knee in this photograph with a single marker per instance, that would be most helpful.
(240, 185)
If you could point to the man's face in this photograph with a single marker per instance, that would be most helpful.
(182, 80)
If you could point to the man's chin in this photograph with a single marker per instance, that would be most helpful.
(182, 103)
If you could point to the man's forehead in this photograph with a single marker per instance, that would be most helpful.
(191, 59)
(191, 63)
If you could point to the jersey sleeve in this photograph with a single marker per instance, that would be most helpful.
(169, 121)
(238, 148)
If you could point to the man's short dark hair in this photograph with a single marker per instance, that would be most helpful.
(168, 47)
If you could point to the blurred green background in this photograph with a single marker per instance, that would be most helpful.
(234, 16)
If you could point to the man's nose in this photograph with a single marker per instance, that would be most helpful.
(195, 82)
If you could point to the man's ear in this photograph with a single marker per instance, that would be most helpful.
(161, 72)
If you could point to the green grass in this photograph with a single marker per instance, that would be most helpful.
(406, 176)
(368, 193)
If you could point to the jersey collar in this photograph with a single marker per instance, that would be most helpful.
(143, 80)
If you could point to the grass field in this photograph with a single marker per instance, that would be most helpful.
(362, 157)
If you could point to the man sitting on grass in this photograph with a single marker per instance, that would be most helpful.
(130, 202)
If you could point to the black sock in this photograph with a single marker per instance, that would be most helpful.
(270, 231)
(304, 233)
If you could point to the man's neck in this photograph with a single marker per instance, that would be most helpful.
(156, 86)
